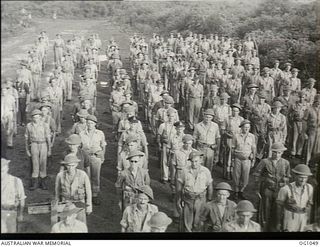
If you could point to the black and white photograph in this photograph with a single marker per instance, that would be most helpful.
(167, 117)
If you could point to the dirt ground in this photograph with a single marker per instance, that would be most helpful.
(106, 217)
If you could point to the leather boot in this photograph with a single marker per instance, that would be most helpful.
(34, 184)
(44, 183)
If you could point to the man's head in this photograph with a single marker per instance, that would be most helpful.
(159, 222)
(196, 159)
(135, 158)
(236, 109)
(91, 122)
(36, 116)
(222, 192)
(245, 211)
(277, 150)
(208, 115)
(276, 107)
(71, 162)
(187, 141)
(301, 174)
(132, 143)
(245, 126)
(4, 167)
(73, 142)
(145, 194)
(180, 127)
(69, 213)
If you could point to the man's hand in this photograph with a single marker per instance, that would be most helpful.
(88, 212)
(28, 153)
(49, 152)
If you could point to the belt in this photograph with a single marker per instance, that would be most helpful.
(194, 196)
(9, 208)
(295, 209)
(38, 142)
(205, 145)
(195, 97)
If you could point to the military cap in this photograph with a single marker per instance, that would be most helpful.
(252, 85)
(246, 121)
(133, 119)
(73, 139)
(131, 138)
(134, 154)
(195, 154)
(276, 104)
(144, 62)
(187, 138)
(276, 61)
(161, 82)
(223, 186)
(236, 105)
(209, 112)
(199, 52)
(146, 189)
(191, 68)
(69, 209)
(92, 118)
(262, 94)
(278, 146)
(47, 104)
(159, 219)
(238, 58)
(70, 159)
(36, 112)
(82, 113)
(311, 80)
(302, 169)
(179, 124)
(225, 96)
(300, 94)
(4, 162)
(245, 206)
(294, 70)
(168, 99)
(287, 64)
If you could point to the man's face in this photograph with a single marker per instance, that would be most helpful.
(45, 111)
(276, 110)
(262, 100)
(71, 167)
(245, 128)
(91, 124)
(86, 104)
(167, 105)
(276, 155)
(286, 92)
(253, 90)
(207, 118)
(196, 162)
(222, 195)
(143, 199)
(73, 147)
(301, 180)
(36, 118)
(134, 126)
(132, 146)
(276, 65)
(244, 217)
(171, 117)
(134, 162)
(188, 144)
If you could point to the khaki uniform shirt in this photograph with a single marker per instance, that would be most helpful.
(207, 134)
(37, 132)
(235, 227)
(95, 140)
(12, 191)
(77, 227)
(245, 144)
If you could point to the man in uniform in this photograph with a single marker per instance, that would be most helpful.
(309, 91)
(38, 147)
(272, 173)
(296, 114)
(116, 99)
(69, 223)
(58, 48)
(23, 100)
(94, 145)
(312, 128)
(130, 179)
(276, 125)
(193, 188)
(276, 74)
(249, 100)
(135, 217)
(73, 184)
(244, 149)
(294, 201)
(179, 162)
(243, 222)
(12, 199)
(218, 212)
(162, 115)
(8, 109)
(207, 138)
(194, 97)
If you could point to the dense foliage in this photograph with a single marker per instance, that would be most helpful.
(285, 30)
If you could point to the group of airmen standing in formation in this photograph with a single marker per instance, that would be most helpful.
(206, 105)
